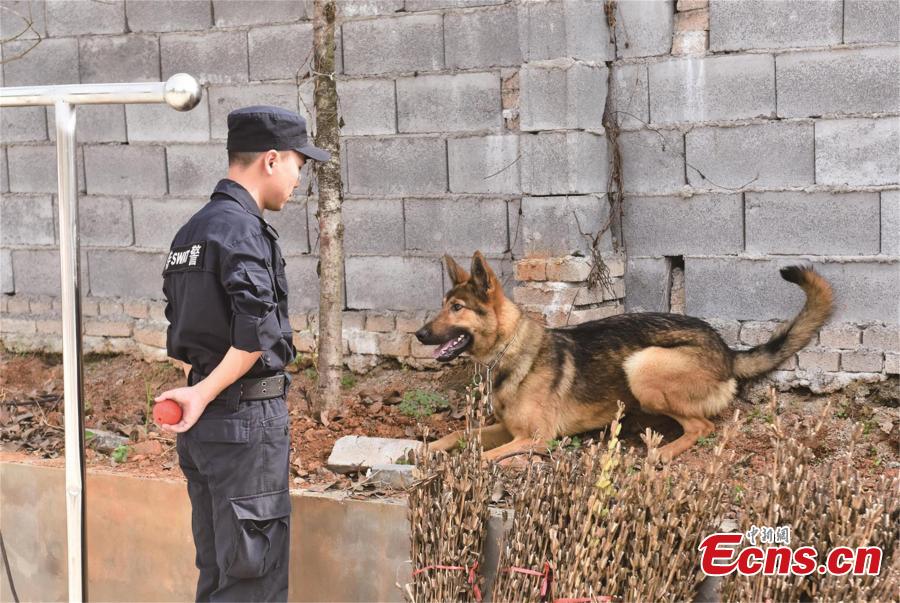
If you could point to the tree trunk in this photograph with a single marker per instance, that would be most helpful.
(331, 227)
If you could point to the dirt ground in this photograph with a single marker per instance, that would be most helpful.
(117, 389)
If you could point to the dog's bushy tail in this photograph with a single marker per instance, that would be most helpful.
(792, 337)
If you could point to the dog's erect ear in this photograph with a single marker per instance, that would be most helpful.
(483, 278)
(457, 274)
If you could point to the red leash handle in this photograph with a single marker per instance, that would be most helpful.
(546, 576)
(471, 571)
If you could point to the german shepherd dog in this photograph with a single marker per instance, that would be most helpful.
(551, 383)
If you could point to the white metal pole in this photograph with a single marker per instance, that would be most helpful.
(72, 365)
(181, 92)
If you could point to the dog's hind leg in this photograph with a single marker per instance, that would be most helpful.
(491, 437)
(678, 383)
(694, 429)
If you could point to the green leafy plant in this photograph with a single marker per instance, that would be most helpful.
(869, 426)
(88, 436)
(120, 454)
(707, 441)
(348, 381)
(420, 403)
(573, 443)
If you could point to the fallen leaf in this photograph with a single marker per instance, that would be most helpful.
(322, 486)
(393, 397)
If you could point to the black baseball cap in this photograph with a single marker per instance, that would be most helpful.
(261, 127)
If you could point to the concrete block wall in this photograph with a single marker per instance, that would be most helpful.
(751, 135)
(768, 136)
(467, 126)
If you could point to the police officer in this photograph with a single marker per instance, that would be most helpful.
(227, 308)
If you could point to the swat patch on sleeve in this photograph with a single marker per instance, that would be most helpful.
(187, 257)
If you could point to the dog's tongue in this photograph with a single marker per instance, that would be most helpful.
(442, 349)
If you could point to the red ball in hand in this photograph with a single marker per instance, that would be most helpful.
(167, 412)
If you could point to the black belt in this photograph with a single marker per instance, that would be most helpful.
(249, 390)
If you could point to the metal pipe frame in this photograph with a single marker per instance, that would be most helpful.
(181, 92)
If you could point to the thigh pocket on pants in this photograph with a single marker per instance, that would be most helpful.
(262, 533)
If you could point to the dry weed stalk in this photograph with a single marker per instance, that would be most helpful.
(611, 523)
(644, 523)
(544, 522)
(823, 510)
(448, 511)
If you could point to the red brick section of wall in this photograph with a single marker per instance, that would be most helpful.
(691, 35)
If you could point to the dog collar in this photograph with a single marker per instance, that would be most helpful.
(496, 361)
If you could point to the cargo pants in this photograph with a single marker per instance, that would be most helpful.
(236, 460)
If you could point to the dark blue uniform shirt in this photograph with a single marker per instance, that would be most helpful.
(225, 286)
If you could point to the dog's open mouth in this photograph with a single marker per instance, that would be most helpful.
(453, 348)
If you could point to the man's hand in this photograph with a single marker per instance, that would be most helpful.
(193, 401)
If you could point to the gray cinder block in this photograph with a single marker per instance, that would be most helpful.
(484, 164)
(168, 15)
(397, 166)
(456, 225)
(126, 273)
(838, 82)
(131, 58)
(281, 52)
(748, 24)
(563, 225)
(229, 13)
(106, 221)
(652, 160)
(440, 103)
(871, 21)
(367, 106)
(27, 220)
(394, 283)
(371, 46)
(215, 57)
(570, 28)
(161, 123)
(702, 224)
(51, 62)
(562, 95)
(644, 27)
(764, 155)
(812, 223)
(111, 169)
(859, 152)
(75, 18)
(559, 163)
(487, 38)
(712, 88)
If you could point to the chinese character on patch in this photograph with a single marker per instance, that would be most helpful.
(194, 255)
